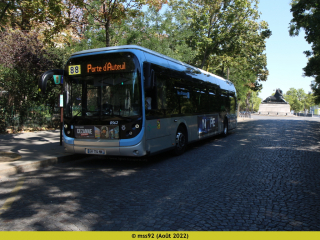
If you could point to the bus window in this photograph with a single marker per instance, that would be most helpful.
(93, 100)
(225, 101)
(232, 100)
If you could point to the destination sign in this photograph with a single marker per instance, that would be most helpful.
(101, 64)
(106, 68)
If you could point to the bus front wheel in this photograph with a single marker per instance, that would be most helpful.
(181, 141)
(225, 128)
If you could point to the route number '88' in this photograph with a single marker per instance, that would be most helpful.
(74, 69)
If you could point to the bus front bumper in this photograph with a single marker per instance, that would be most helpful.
(127, 151)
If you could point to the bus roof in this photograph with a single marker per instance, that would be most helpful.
(224, 84)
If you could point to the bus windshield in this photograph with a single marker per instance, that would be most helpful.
(104, 87)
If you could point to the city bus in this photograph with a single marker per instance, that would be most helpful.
(131, 101)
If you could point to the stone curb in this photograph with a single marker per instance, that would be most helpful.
(35, 165)
(9, 156)
(244, 119)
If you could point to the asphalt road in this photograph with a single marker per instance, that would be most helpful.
(264, 176)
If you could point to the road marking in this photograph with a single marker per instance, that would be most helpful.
(13, 195)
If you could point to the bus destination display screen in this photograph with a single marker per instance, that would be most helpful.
(99, 64)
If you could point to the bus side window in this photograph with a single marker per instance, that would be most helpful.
(172, 98)
(151, 92)
(203, 100)
(156, 97)
(225, 101)
(232, 99)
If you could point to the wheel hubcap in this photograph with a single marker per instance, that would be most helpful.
(180, 140)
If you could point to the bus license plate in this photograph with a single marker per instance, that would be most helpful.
(95, 151)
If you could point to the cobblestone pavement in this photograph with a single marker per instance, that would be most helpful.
(264, 176)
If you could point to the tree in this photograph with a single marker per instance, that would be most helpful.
(49, 17)
(223, 29)
(23, 59)
(160, 32)
(298, 99)
(306, 16)
(104, 13)
(5, 7)
(251, 103)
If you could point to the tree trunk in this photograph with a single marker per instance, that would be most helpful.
(4, 11)
(204, 58)
(107, 27)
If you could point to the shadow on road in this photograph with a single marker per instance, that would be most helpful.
(263, 176)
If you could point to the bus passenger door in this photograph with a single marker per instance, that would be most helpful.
(158, 124)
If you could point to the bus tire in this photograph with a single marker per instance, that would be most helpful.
(181, 141)
(225, 128)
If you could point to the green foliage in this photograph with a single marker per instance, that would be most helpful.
(298, 99)
(23, 59)
(49, 17)
(306, 16)
(104, 14)
(251, 103)
(161, 32)
(256, 101)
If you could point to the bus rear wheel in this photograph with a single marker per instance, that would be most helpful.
(181, 141)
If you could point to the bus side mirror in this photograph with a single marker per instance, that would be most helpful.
(42, 83)
(149, 79)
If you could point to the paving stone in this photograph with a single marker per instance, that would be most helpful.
(264, 176)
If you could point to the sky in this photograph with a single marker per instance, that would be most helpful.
(285, 57)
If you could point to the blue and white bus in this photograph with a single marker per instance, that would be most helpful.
(131, 101)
